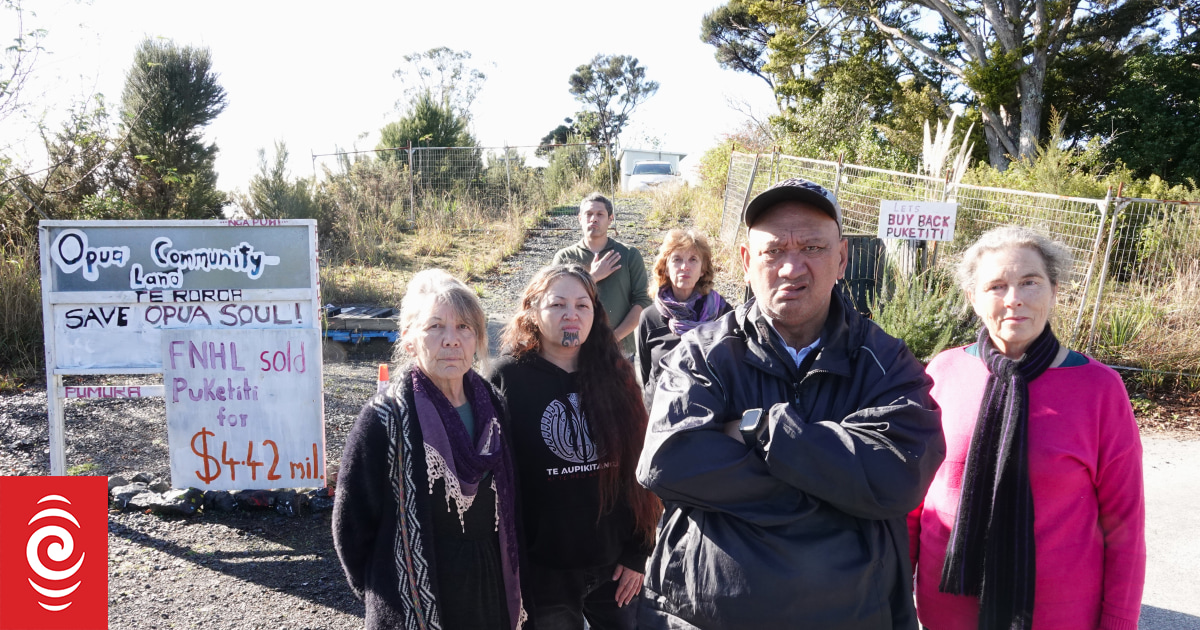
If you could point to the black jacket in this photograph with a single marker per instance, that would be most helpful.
(813, 535)
(559, 472)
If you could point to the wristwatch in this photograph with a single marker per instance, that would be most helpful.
(753, 426)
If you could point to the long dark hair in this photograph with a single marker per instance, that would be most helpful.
(609, 395)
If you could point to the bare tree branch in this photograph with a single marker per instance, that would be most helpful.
(915, 43)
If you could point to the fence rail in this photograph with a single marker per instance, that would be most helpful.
(1133, 293)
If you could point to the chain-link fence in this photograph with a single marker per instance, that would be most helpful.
(425, 181)
(1134, 289)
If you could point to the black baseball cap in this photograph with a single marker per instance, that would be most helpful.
(794, 189)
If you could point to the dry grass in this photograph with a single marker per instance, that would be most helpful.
(467, 243)
(474, 262)
(360, 284)
(432, 240)
(20, 315)
(1174, 339)
(685, 205)
(1154, 329)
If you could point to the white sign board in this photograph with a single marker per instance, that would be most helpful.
(115, 292)
(244, 408)
(917, 220)
(112, 287)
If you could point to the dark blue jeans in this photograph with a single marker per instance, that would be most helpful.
(564, 598)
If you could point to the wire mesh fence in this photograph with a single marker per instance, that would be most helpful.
(742, 171)
(425, 182)
(1147, 300)
(1134, 288)
(1076, 222)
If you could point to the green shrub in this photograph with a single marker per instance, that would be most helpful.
(927, 310)
(568, 168)
(714, 168)
(606, 176)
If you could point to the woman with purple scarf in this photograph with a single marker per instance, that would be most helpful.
(425, 519)
(684, 299)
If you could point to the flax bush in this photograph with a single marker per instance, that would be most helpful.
(927, 310)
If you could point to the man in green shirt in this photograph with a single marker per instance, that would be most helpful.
(617, 268)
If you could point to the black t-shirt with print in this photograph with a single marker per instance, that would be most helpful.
(558, 467)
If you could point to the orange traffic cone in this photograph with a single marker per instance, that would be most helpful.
(382, 385)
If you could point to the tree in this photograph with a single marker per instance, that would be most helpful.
(611, 87)
(445, 74)
(1152, 122)
(1006, 59)
(740, 37)
(274, 196)
(837, 86)
(584, 127)
(1002, 50)
(18, 59)
(427, 123)
(432, 124)
(170, 95)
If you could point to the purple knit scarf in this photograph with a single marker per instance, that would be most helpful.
(991, 554)
(451, 455)
(683, 316)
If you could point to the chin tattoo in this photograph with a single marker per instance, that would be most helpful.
(570, 339)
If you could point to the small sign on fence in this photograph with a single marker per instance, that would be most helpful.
(917, 220)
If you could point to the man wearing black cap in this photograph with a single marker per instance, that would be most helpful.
(788, 440)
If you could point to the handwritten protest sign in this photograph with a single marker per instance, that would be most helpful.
(917, 220)
(115, 286)
(115, 292)
(244, 408)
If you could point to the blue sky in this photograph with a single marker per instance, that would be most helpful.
(319, 75)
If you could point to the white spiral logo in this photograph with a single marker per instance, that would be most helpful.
(59, 551)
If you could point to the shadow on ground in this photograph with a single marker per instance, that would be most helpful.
(293, 556)
(1163, 619)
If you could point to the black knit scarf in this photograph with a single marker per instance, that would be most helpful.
(991, 551)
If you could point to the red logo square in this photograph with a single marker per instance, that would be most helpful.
(54, 550)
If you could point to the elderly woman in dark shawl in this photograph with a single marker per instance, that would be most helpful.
(425, 520)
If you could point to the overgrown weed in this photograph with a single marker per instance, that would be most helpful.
(21, 345)
(685, 206)
(1154, 328)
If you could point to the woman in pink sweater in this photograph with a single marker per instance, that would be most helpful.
(1036, 518)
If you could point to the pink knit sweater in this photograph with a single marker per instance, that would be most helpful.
(1085, 466)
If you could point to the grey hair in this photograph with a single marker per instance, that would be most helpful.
(1055, 255)
(434, 286)
(597, 198)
